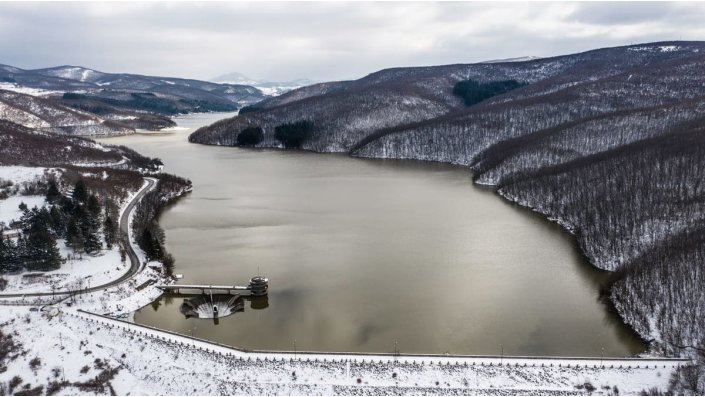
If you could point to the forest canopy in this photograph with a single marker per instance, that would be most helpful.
(472, 92)
(292, 135)
(250, 136)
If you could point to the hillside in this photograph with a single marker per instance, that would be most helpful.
(345, 113)
(606, 142)
(79, 101)
(27, 147)
(100, 84)
(50, 116)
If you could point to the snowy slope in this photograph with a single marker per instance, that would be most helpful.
(269, 88)
(40, 113)
(9, 207)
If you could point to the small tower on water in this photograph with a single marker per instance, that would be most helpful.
(258, 286)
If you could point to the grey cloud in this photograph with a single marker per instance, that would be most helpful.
(622, 13)
(323, 41)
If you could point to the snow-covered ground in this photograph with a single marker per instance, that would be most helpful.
(10, 207)
(80, 342)
(27, 90)
(18, 174)
(79, 271)
(155, 362)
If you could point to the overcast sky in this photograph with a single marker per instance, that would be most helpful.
(321, 41)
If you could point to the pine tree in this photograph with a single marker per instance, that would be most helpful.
(91, 225)
(9, 261)
(151, 242)
(58, 221)
(80, 192)
(93, 206)
(74, 235)
(109, 231)
(92, 241)
(4, 253)
(53, 193)
(147, 243)
(39, 248)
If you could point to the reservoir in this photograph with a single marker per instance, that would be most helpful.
(363, 255)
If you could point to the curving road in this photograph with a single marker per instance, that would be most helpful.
(135, 265)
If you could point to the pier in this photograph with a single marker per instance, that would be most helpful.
(258, 286)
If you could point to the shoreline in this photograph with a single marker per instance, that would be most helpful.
(269, 376)
(148, 361)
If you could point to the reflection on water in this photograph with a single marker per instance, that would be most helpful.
(212, 306)
(363, 253)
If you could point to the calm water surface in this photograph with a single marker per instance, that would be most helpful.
(363, 253)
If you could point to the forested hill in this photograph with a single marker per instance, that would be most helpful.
(609, 143)
(74, 100)
(346, 113)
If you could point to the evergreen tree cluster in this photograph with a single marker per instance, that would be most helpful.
(473, 92)
(292, 135)
(81, 220)
(35, 249)
(148, 233)
(249, 109)
(250, 136)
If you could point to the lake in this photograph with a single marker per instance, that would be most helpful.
(362, 254)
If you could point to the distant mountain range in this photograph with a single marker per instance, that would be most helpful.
(517, 59)
(267, 87)
(80, 79)
(80, 101)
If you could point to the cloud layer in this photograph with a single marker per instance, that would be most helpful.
(322, 41)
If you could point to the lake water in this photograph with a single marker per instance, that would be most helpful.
(365, 253)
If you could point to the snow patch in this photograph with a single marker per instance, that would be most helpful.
(19, 174)
(9, 207)
(14, 87)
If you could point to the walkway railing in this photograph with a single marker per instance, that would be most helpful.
(344, 357)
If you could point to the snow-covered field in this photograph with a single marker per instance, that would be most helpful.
(153, 362)
(27, 90)
(76, 273)
(19, 174)
(10, 207)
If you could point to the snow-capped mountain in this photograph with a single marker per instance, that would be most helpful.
(267, 87)
(516, 59)
(73, 73)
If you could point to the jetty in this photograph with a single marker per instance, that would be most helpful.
(258, 286)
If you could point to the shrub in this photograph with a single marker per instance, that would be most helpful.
(14, 382)
(29, 391)
(35, 363)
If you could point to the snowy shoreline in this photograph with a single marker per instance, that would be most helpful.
(154, 362)
(151, 366)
